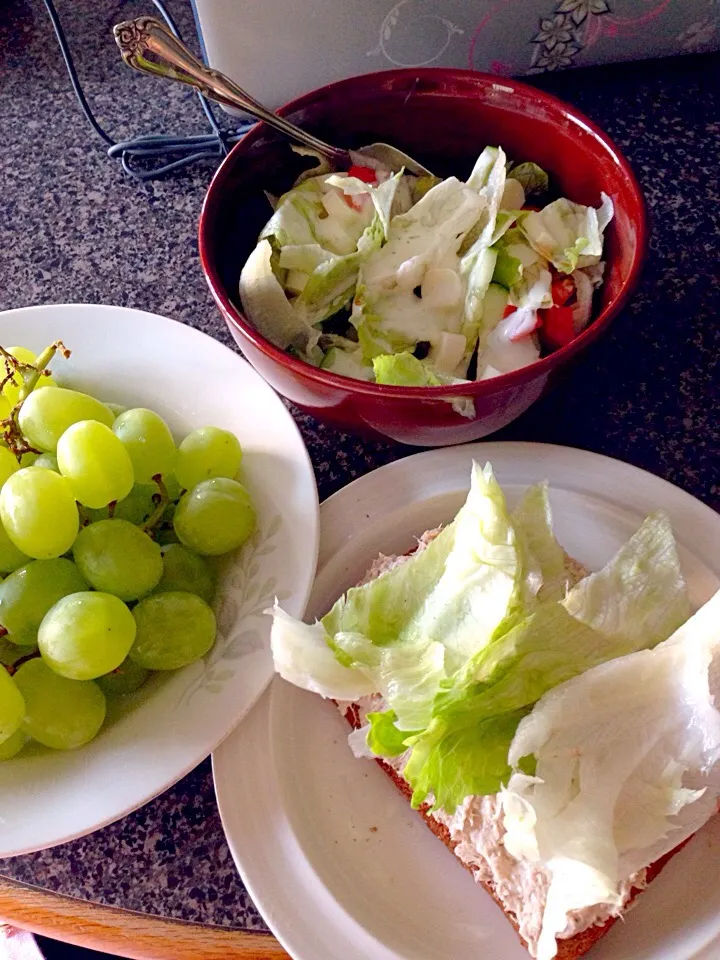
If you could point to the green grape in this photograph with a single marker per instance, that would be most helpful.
(13, 745)
(28, 594)
(8, 464)
(148, 440)
(59, 713)
(38, 511)
(47, 461)
(184, 570)
(215, 517)
(5, 407)
(115, 408)
(23, 354)
(206, 453)
(28, 459)
(95, 463)
(86, 635)
(173, 629)
(47, 414)
(127, 678)
(117, 557)
(10, 557)
(12, 706)
(11, 390)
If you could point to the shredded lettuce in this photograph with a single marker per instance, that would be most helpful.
(264, 301)
(332, 283)
(568, 234)
(413, 258)
(403, 370)
(296, 215)
(488, 179)
(383, 195)
(485, 166)
(531, 176)
(347, 363)
(374, 339)
(479, 261)
(387, 310)
(430, 231)
(478, 269)
(305, 257)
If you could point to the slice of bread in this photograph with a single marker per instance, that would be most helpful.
(568, 949)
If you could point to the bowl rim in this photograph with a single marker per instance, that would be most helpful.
(474, 388)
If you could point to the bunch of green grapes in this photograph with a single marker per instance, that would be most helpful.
(105, 529)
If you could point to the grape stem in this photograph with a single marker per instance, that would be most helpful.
(18, 663)
(30, 374)
(156, 516)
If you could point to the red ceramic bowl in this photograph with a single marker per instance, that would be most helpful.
(443, 117)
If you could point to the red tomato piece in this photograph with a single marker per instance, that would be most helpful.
(562, 288)
(508, 310)
(366, 174)
(558, 326)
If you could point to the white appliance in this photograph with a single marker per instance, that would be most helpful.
(278, 49)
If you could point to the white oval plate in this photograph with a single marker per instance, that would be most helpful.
(335, 859)
(140, 359)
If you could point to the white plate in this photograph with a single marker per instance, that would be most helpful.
(140, 359)
(335, 859)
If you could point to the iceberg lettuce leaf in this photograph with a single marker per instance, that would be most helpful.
(266, 305)
(404, 370)
(605, 616)
(627, 767)
(569, 235)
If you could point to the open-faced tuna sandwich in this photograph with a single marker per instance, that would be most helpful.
(557, 729)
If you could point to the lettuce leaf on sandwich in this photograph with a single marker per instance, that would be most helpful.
(626, 759)
(424, 618)
(464, 637)
(634, 602)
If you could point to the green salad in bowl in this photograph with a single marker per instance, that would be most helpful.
(417, 281)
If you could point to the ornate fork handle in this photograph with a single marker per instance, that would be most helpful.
(147, 45)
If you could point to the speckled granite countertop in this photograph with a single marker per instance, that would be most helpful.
(74, 228)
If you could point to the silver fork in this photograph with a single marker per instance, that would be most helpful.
(149, 46)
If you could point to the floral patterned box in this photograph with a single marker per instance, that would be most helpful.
(278, 48)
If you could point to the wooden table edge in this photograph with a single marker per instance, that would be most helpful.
(138, 936)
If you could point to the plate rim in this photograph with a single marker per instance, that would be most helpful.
(179, 328)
